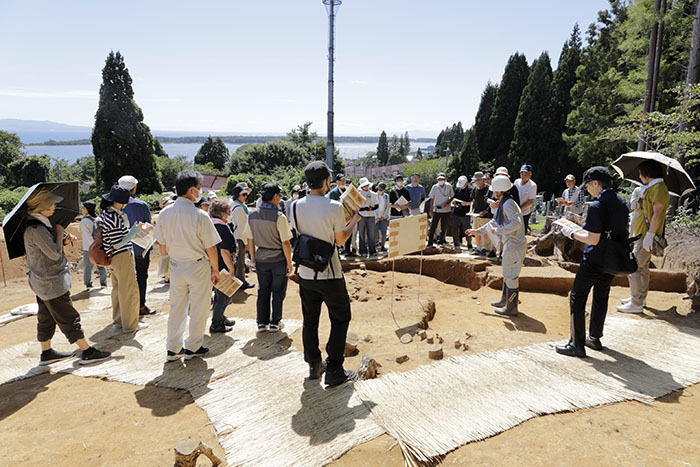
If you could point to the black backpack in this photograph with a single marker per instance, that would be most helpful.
(312, 252)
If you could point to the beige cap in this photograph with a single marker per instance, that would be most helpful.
(570, 177)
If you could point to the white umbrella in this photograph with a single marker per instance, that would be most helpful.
(676, 178)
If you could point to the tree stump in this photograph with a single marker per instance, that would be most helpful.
(368, 368)
(187, 452)
(351, 342)
(435, 352)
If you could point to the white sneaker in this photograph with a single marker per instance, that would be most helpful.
(627, 300)
(138, 328)
(630, 308)
(276, 327)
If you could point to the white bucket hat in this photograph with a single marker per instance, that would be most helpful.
(364, 182)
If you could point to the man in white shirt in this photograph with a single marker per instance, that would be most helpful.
(187, 235)
(573, 199)
(382, 215)
(367, 227)
(324, 219)
(441, 195)
(527, 189)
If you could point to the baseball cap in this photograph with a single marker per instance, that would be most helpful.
(398, 176)
(128, 181)
(339, 177)
(570, 177)
(461, 181)
(599, 173)
(316, 172)
(269, 190)
(526, 168)
(441, 175)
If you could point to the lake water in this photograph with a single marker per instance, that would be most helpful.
(72, 153)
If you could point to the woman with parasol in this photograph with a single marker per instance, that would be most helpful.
(50, 280)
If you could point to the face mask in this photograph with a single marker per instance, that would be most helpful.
(295, 196)
(399, 184)
(342, 187)
(442, 182)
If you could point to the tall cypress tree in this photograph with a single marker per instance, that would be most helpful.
(483, 115)
(121, 141)
(383, 149)
(533, 137)
(505, 109)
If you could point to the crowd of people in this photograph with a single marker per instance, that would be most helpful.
(204, 237)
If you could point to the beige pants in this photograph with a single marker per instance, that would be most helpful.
(190, 292)
(639, 281)
(125, 291)
(482, 240)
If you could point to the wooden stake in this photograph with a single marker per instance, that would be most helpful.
(2, 262)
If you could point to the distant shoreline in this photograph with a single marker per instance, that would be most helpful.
(227, 139)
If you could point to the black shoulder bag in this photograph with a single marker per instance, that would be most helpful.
(312, 252)
(618, 258)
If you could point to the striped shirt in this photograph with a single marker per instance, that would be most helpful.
(114, 228)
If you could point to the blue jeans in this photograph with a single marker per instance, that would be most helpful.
(367, 231)
(87, 271)
(272, 281)
(382, 225)
(221, 301)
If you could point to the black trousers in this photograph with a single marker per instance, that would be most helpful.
(334, 294)
(459, 225)
(58, 311)
(444, 219)
(142, 265)
(589, 277)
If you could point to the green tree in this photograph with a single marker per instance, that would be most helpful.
(121, 141)
(61, 170)
(466, 161)
(10, 151)
(383, 150)
(532, 136)
(427, 169)
(505, 108)
(419, 155)
(29, 170)
(560, 104)
(481, 121)
(158, 148)
(302, 135)
(449, 141)
(213, 151)
(170, 167)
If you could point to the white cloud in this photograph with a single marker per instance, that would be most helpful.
(71, 94)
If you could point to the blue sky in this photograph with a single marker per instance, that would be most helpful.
(260, 66)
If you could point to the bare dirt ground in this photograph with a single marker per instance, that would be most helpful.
(68, 420)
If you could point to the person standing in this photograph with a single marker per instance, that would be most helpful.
(382, 215)
(461, 220)
(219, 211)
(651, 222)
(441, 195)
(324, 219)
(480, 192)
(138, 211)
(50, 280)
(367, 228)
(527, 190)
(269, 232)
(417, 195)
(573, 198)
(188, 236)
(116, 240)
(239, 220)
(508, 224)
(494, 203)
(607, 213)
(340, 183)
(88, 232)
(395, 194)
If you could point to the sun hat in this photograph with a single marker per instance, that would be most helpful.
(118, 194)
(128, 181)
(478, 176)
(42, 200)
(364, 181)
(501, 171)
(501, 184)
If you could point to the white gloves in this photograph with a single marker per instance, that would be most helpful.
(569, 231)
(648, 241)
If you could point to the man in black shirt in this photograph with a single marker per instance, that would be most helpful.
(395, 194)
(460, 219)
(608, 213)
(479, 193)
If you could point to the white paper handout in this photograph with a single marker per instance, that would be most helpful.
(144, 237)
(401, 201)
